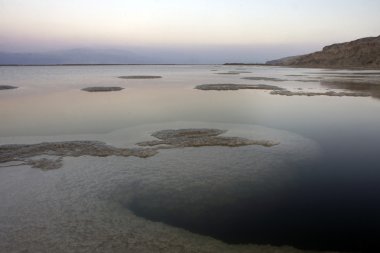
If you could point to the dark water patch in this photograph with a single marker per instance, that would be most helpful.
(7, 87)
(102, 89)
(323, 210)
(332, 203)
(140, 77)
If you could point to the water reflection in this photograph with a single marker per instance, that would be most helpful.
(371, 88)
(232, 194)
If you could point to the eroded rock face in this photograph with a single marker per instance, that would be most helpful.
(231, 86)
(54, 151)
(102, 89)
(7, 87)
(363, 52)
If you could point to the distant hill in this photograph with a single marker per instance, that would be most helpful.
(362, 53)
(73, 56)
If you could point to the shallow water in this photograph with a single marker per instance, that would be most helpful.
(318, 189)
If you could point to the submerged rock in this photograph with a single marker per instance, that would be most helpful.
(231, 86)
(102, 89)
(140, 77)
(7, 87)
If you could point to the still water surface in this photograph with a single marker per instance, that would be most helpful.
(319, 189)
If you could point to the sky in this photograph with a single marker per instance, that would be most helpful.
(249, 29)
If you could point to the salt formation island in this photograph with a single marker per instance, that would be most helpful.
(200, 138)
(275, 90)
(327, 93)
(231, 86)
(49, 155)
(7, 87)
(140, 77)
(102, 89)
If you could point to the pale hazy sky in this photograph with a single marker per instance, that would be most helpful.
(288, 25)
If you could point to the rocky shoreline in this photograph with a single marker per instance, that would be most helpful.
(363, 53)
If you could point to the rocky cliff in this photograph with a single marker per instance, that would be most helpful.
(362, 53)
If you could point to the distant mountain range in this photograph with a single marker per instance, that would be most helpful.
(362, 53)
(74, 56)
(137, 55)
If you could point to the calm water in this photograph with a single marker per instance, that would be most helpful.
(319, 189)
